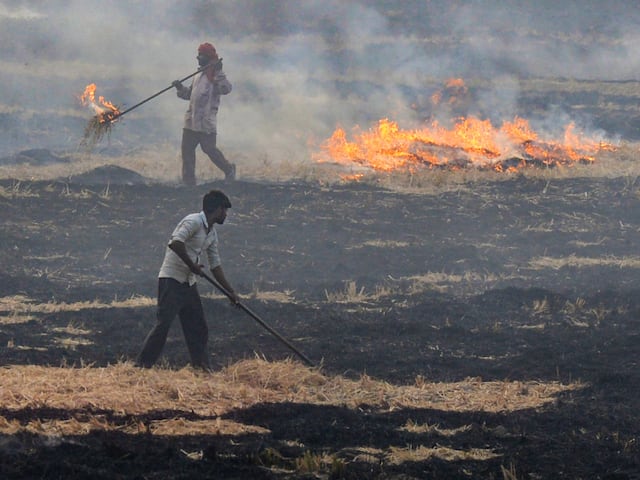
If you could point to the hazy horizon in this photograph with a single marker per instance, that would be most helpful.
(298, 68)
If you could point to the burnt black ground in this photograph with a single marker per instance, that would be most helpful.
(79, 242)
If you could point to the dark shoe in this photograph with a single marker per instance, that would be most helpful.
(203, 367)
(231, 174)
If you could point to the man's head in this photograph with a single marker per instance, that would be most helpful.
(215, 205)
(206, 54)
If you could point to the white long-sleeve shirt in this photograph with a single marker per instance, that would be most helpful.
(204, 100)
(192, 231)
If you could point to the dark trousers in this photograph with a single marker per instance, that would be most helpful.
(175, 298)
(207, 141)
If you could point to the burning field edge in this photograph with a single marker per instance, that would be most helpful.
(160, 165)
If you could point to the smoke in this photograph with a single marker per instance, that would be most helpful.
(298, 68)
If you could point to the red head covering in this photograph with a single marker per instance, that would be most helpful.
(208, 50)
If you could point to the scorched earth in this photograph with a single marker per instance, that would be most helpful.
(480, 330)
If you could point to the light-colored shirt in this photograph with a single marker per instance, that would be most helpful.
(192, 231)
(204, 100)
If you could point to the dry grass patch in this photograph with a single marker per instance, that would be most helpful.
(17, 190)
(398, 456)
(443, 277)
(154, 163)
(413, 285)
(353, 294)
(442, 281)
(22, 304)
(16, 309)
(413, 427)
(555, 263)
(380, 244)
(285, 296)
(127, 391)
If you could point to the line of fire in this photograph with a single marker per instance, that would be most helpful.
(470, 142)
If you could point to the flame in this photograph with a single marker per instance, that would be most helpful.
(455, 92)
(455, 83)
(105, 111)
(469, 142)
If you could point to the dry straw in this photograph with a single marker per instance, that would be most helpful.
(122, 396)
(97, 128)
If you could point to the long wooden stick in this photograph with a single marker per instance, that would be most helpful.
(118, 115)
(260, 321)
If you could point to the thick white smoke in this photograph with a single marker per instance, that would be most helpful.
(299, 68)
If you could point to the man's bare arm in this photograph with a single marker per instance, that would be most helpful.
(218, 273)
(179, 248)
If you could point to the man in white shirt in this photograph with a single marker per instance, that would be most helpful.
(177, 290)
(200, 120)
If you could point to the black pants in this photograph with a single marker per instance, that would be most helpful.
(207, 141)
(175, 298)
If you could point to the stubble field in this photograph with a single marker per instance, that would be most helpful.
(464, 325)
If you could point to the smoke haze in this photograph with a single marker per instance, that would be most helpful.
(298, 68)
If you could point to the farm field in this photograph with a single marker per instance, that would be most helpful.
(484, 327)
(438, 203)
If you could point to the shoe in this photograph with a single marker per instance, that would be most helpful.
(203, 367)
(231, 174)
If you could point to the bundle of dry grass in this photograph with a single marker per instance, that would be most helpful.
(98, 127)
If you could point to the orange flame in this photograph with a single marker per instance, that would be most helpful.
(470, 141)
(454, 92)
(455, 83)
(106, 111)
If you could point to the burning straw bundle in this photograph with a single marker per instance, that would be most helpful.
(107, 113)
(98, 127)
(100, 124)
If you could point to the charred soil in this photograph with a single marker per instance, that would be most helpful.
(521, 280)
